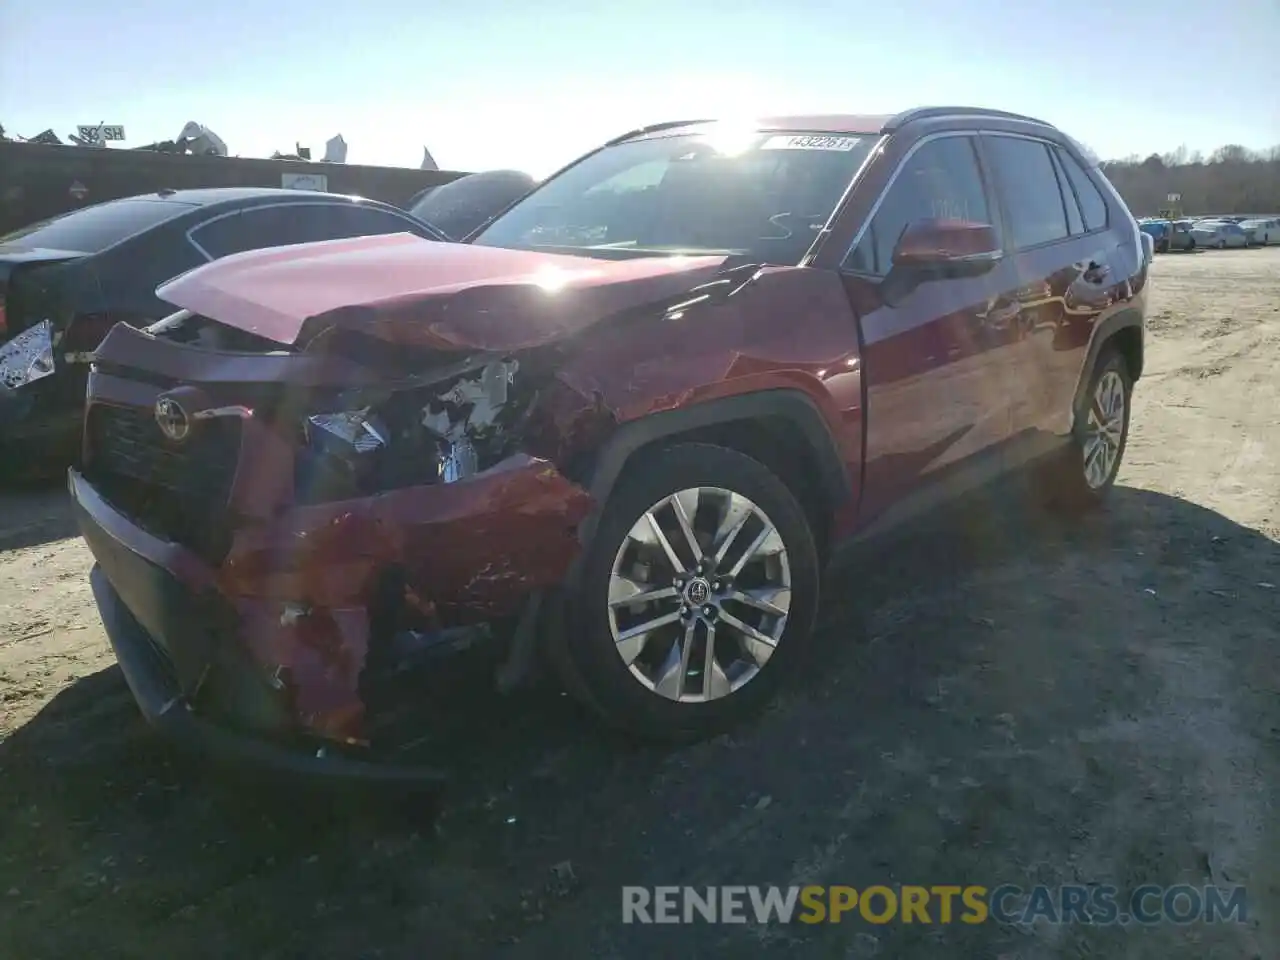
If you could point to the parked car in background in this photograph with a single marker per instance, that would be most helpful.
(1168, 235)
(1218, 234)
(66, 281)
(1263, 231)
(459, 207)
(624, 425)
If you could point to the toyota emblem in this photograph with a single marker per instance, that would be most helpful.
(172, 419)
(698, 591)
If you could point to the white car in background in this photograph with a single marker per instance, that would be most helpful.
(1262, 231)
(1218, 234)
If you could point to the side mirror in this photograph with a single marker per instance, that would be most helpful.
(933, 249)
(956, 247)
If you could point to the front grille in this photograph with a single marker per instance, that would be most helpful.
(178, 491)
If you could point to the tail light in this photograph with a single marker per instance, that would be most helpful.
(4, 324)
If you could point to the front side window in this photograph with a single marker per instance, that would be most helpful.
(1033, 204)
(761, 195)
(939, 181)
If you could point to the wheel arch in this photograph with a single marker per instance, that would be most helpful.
(1122, 331)
(781, 428)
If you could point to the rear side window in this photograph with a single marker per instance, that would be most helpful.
(941, 180)
(353, 220)
(95, 228)
(290, 223)
(1074, 221)
(1092, 205)
(259, 227)
(1033, 205)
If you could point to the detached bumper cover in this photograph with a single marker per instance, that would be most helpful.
(132, 589)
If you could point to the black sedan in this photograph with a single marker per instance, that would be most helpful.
(65, 282)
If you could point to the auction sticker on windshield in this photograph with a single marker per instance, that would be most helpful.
(809, 142)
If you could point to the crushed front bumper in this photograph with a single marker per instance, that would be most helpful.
(161, 615)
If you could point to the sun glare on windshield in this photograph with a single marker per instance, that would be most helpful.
(731, 139)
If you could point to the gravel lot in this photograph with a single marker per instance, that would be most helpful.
(1006, 699)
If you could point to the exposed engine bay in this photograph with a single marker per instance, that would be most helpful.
(443, 433)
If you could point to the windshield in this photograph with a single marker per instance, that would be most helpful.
(95, 228)
(765, 196)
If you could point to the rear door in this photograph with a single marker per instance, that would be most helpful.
(1058, 260)
(932, 361)
(36, 261)
(128, 275)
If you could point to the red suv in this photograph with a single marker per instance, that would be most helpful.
(623, 425)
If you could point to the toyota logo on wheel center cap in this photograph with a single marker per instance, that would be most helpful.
(698, 591)
(172, 419)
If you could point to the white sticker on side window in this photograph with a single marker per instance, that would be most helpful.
(809, 142)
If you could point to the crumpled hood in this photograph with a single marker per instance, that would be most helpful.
(423, 293)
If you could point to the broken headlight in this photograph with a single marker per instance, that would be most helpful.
(353, 429)
(423, 435)
(28, 356)
(468, 417)
(340, 455)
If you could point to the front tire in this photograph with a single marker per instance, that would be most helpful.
(664, 647)
(1084, 474)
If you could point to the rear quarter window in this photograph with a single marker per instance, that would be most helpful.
(95, 228)
(1092, 205)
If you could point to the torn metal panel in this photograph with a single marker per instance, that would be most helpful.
(314, 657)
(474, 549)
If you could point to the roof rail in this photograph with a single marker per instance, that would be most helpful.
(654, 128)
(927, 113)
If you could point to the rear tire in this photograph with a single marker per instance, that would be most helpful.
(1080, 478)
(645, 682)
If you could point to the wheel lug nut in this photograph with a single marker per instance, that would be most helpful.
(717, 586)
(708, 611)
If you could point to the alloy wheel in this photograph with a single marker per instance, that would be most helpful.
(1104, 429)
(699, 594)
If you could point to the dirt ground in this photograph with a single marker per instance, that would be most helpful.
(1001, 699)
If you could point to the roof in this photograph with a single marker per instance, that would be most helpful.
(865, 123)
(204, 196)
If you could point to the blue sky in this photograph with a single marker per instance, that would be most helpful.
(531, 85)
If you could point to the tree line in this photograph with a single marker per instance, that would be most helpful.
(1232, 179)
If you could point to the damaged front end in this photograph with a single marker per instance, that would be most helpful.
(292, 534)
(340, 458)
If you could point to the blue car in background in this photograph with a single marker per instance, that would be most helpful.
(1168, 235)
